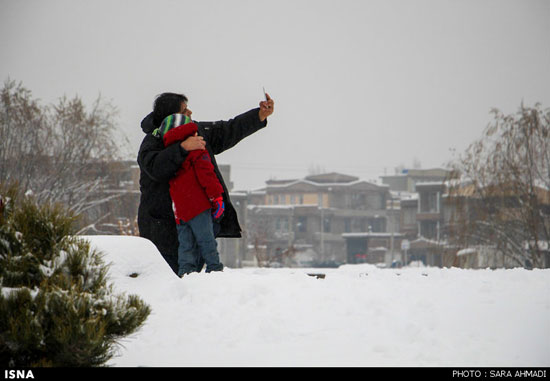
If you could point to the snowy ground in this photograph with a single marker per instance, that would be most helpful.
(358, 315)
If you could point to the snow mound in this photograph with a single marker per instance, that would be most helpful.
(357, 315)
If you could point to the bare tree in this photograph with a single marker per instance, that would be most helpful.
(57, 153)
(315, 169)
(259, 232)
(25, 135)
(501, 187)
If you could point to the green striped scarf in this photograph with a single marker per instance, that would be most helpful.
(170, 122)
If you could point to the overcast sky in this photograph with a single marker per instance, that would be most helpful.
(361, 87)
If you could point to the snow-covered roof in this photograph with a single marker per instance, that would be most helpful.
(404, 195)
(271, 206)
(429, 183)
(238, 194)
(302, 181)
(371, 234)
(466, 251)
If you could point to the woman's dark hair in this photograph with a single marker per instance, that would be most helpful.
(167, 104)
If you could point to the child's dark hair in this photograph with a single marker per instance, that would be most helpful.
(167, 104)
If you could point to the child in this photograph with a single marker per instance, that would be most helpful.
(196, 198)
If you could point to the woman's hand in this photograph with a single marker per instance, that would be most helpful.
(266, 107)
(193, 143)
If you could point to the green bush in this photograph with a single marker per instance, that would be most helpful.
(56, 307)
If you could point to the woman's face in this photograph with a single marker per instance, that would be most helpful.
(185, 110)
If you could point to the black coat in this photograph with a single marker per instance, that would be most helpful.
(158, 165)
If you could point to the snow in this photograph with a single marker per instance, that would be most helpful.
(358, 315)
(466, 251)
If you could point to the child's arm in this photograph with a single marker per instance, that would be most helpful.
(204, 169)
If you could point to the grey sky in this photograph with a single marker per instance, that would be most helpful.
(360, 86)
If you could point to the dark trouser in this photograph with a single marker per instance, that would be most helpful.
(196, 240)
(163, 233)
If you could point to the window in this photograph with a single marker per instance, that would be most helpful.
(377, 225)
(284, 224)
(429, 202)
(359, 225)
(432, 202)
(358, 201)
(326, 225)
(281, 224)
(409, 216)
(429, 229)
(301, 224)
(347, 225)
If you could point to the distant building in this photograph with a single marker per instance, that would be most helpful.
(119, 188)
(312, 214)
(323, 220)
(225, 170)
(408, 178)
(374, 248)
(427, 218)
(419, 196)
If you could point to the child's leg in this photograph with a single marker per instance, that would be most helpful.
(204, 235)
(187, 250)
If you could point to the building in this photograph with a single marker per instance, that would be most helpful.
(429, 219)
(328, 219)
(505, 225)
(117, 199)
(312, 214)
(420, 198)
(408, 178)
(375, 248)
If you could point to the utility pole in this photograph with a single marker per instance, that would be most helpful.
(322, 232)
(391, 223)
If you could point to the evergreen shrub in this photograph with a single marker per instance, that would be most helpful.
(56, 305)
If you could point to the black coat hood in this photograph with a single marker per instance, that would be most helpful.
(147, 124)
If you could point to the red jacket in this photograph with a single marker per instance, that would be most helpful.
(195, 183)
